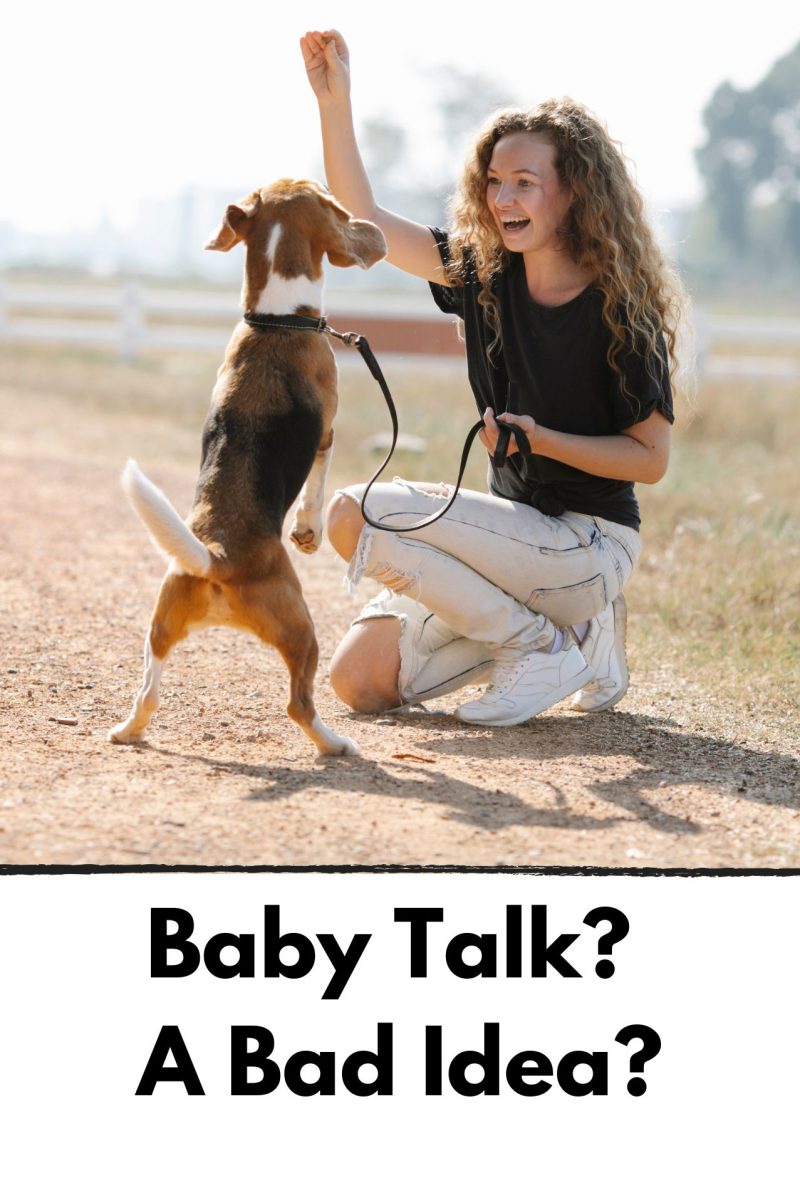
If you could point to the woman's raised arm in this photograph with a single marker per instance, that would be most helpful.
(411, 246)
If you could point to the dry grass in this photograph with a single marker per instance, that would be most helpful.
(717, 595)
(720, 580)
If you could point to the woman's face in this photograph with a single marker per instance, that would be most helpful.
(524, 194)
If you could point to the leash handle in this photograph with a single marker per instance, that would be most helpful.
(507, 429)
(504, 438)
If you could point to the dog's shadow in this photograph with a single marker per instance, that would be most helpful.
(666, 758)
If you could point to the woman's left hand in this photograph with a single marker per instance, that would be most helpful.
(488, 436)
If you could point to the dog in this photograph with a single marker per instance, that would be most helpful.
(268, 437)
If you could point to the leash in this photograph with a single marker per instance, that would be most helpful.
(295, 321)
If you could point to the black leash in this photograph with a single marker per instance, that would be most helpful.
(294, 321)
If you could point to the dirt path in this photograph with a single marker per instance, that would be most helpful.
(226, 779)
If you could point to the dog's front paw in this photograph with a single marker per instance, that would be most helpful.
(306, 538)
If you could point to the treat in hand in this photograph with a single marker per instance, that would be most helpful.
(327, 63)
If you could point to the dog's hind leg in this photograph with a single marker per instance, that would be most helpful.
(145, 703)
(306, 532)
(274, 610)
(179, 601)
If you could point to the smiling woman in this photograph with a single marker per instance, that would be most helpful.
(525, 195)
(570, 319)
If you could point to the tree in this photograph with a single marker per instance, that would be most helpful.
(752, 153)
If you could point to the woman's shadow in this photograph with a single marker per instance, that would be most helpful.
(664, 756)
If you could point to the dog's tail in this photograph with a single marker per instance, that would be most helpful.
(167, 529)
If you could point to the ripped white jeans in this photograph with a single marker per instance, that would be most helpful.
(492, 573)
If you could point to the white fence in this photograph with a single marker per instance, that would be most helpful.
(116, 317)
(134, 318)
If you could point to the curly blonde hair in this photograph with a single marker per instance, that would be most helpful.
(605, 230)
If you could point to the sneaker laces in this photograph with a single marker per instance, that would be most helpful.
(505, 671)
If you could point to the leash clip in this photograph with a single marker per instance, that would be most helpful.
(351, 339)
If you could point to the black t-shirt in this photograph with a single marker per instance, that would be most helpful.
(552, 365)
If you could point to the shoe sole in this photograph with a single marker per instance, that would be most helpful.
(620, 694)
(564, 691)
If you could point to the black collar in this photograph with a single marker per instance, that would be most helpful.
(286, 321)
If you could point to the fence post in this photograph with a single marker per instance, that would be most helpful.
(131, 323)
(703, 338)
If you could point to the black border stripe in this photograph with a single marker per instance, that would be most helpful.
(525, 870)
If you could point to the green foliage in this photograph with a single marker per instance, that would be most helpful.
(750, 164)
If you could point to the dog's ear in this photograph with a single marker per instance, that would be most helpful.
(350, 242)
(234, 225)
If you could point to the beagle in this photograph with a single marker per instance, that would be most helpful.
(268, 437)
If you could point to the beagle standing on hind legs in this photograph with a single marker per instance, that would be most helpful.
(268, 437)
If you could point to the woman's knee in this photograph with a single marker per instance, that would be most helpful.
(344, 523)
(365, 666)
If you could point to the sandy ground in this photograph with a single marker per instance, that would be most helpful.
(669, 779)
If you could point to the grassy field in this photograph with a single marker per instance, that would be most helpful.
(717, 594)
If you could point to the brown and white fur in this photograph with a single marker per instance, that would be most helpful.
(268, 437)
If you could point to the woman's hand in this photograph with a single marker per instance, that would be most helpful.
(327, 61)
(489, 435)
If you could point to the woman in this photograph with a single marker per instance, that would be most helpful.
(568, 311)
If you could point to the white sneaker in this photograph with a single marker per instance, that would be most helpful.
(603, 648)
(523, 685)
